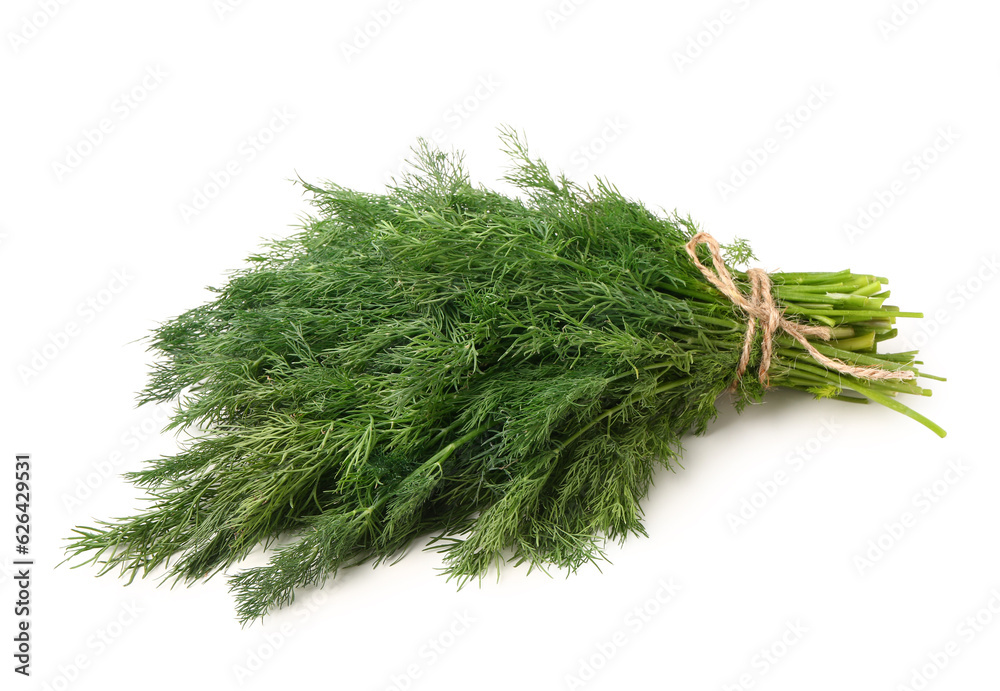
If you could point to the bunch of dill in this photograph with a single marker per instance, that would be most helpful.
(504, 373)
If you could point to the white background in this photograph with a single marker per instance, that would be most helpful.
(666, 100)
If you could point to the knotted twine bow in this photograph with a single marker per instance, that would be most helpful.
(760, 306)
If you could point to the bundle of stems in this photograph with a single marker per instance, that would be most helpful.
(503, 373)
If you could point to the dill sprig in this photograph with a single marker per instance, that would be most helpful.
(504, 373)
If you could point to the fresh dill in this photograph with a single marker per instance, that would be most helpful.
(504, 373)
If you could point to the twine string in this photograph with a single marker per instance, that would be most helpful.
(760, 306)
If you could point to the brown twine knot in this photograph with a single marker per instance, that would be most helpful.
(760, 306)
